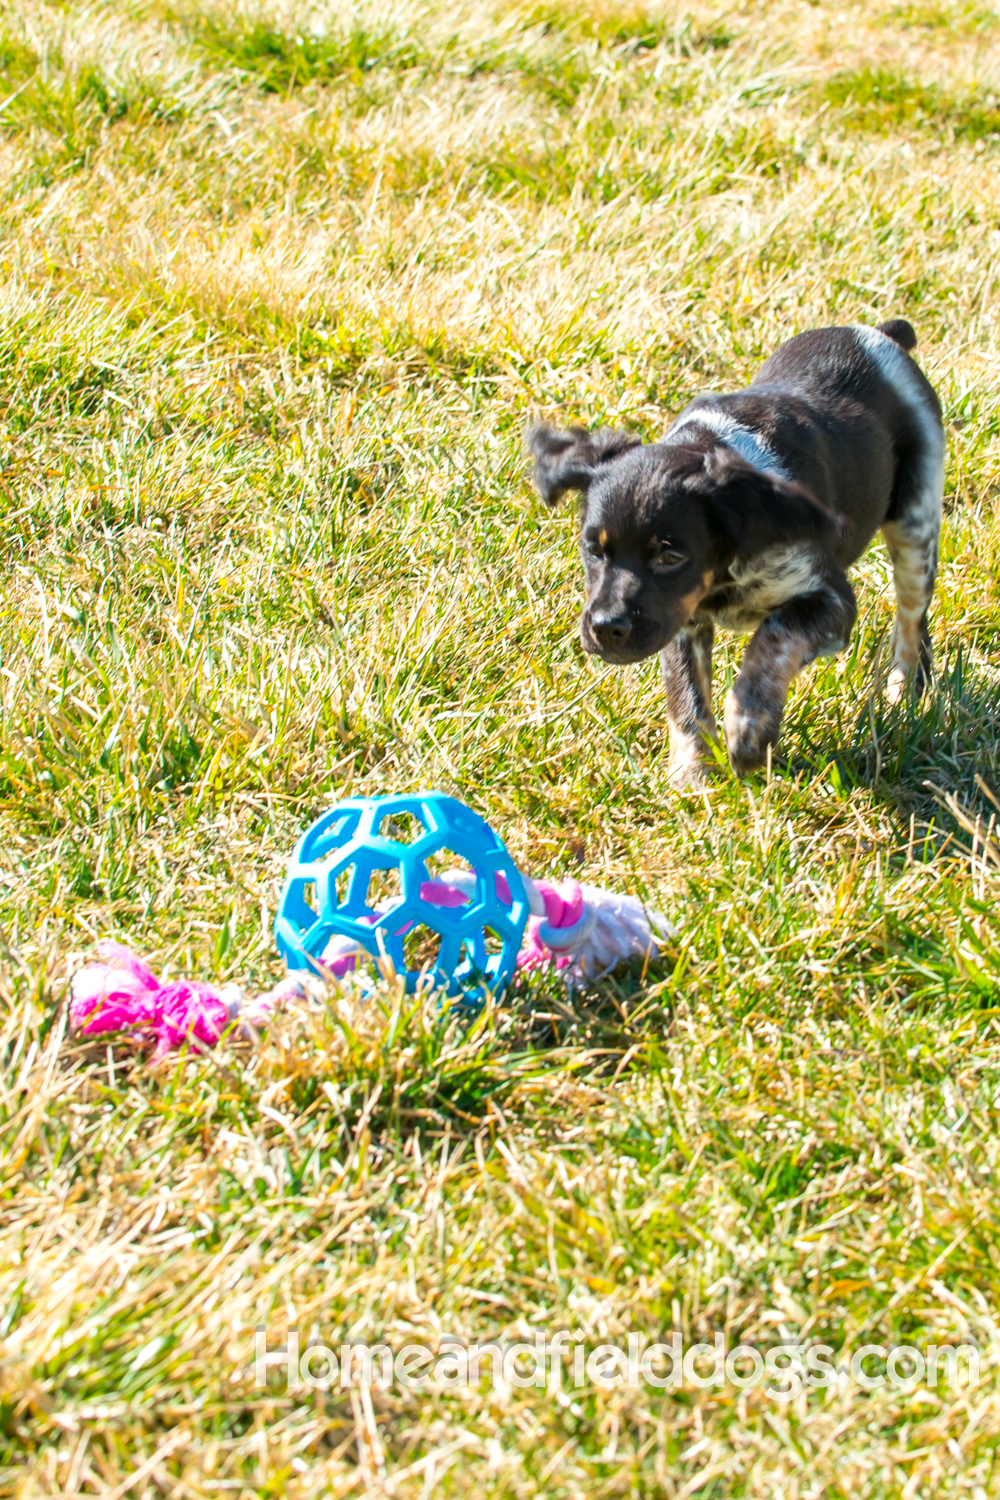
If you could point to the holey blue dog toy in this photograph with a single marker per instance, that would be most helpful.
(368, 873)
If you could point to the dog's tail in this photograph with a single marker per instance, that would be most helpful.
(901, 332)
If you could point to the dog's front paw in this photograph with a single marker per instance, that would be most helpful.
(689, 773)
(692, 762)
(749, 729)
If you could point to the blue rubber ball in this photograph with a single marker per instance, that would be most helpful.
(365, 869)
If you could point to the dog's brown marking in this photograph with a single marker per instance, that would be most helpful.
(689, 602)
(602, 539)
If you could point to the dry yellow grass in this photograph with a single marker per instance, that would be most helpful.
(280, 288)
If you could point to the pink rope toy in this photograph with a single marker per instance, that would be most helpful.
(123, 994)
(581, 930)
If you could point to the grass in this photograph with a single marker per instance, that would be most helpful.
(280, 289)
(883, 98)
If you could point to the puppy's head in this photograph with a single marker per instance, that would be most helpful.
(660, 526)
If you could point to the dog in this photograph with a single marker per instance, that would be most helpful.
(747, 515)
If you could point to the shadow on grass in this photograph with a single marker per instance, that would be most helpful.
(902, 754)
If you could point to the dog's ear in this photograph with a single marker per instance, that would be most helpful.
(570, 460)
(754, 510)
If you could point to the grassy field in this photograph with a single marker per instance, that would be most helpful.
(280, 289)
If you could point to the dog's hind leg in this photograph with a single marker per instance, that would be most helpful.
(913, 525)
(687, 672)
(912, 540)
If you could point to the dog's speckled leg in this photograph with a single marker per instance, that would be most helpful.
(816, 624)
(687, 672)
(914, 524)
(913, 547)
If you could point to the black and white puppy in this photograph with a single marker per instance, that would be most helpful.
(747, 515)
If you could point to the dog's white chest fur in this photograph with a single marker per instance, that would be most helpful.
(765, 582)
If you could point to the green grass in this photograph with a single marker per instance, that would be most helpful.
(964, 19)
(286, 60)
(279, 290)
(885, 99)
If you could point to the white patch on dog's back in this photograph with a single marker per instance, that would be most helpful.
(923, 509)
(750, 446)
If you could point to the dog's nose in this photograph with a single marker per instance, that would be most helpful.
(611, 630)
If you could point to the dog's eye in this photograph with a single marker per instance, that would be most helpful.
(668, 557)
(594, 548)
